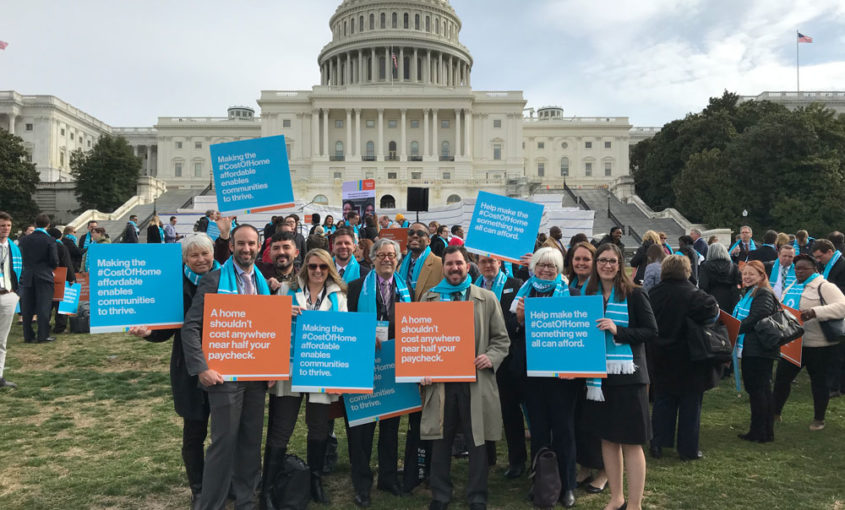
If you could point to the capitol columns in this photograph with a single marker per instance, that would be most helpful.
(381, 134)
(349, 151)
(425, 151)
(468, 134)
(458, 151)
(358, 134)
(434, 144)
(315, 132)
(402, 151)
(414, 67)
(325, 132)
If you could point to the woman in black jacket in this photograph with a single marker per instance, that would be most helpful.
(720, 277)
(679, 383)
(757, 303)
(190, 401)
(623, 421)
(640, 259)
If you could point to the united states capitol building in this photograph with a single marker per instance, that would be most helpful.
(395, 103)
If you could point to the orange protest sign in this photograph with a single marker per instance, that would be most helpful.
(791, 352)
(82, 280)
(435, 339)
(247, 338)
(400, 235)
(59, 279)
(732, 324)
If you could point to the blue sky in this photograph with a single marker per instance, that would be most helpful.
(654, 61)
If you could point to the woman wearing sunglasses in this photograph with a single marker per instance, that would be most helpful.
(317, 287)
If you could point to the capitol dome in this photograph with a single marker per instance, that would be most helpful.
(413, 42)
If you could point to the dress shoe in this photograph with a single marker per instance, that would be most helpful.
(47, 340)
(568, 499)
(817, 425)
(698, 455)
(393, 488)
(478, 506)
(437, 505)
(835, 393)
(514, 471)
(656, 451)
(750, 437)
(362, 500)
(592, 489)
(7, 384)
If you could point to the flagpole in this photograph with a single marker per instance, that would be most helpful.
(797, 66)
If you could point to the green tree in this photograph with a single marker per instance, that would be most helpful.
(107, 175)
(19, 180)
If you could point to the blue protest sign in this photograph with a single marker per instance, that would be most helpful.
(251, 176)
(503, 227)
(334, 352)
(69, 304)
(561, 337)
(388, 398)
(135, 285)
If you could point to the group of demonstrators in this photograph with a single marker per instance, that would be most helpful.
(593, 428)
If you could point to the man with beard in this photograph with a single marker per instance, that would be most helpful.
(233, 459)
(420, 270)
(471, 408)
(284, 256)
(343, 252)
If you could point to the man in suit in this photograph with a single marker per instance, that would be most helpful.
(768, 252)
(233, 459)
(86, 240)
(832, 267)
(510, 376)
(440, 241)
(343, 251)
(555, 240)
(69, 240)
(130, 233)
(470, 408)
(743, 246)
(385, 293)
(40, 257)
(10, 272)
(430, 273)
(60, 322)
(699, 244)
(781, 271)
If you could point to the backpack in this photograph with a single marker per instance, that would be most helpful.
(201, 224)
(291, 489)
(545, 479)
(79, 323)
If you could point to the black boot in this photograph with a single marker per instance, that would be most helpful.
(316, 460)
(274, 462)
(194, 465)
(331, 451)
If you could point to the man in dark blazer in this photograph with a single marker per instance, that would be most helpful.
(767, 252)
(85, 240)
(130, 233)
(511, 373)
(60, 322)
(233, 459)
(832, 268)
(40, 257)
(386, 256)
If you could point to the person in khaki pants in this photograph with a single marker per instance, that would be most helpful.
(10, 271)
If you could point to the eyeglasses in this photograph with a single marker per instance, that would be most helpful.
(607, 262)
(382, 256)
(314, 267)
(546, 266)
(418, 233)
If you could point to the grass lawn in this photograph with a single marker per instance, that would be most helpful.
(91, 425)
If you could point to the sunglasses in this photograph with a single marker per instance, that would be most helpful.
(418, 233)
(321, 267)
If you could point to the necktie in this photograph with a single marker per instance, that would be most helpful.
(342, 270)
(783, 275)
(457, 296)
(386, 294)
(249, 288)
(411, 272)
(488, 284)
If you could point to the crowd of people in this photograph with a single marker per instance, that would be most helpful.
(596, 428)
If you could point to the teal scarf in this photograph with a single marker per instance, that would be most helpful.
(751, 245)
(72, 238)
(498, 284)
(619, 357)
(543, 287)
(194, 277)
(369, 292)
(353, 270)
(792, 294)
(17, 259)
(44, 230)
(229, 280)
(836, 256)
(446, 289)
(135, 226)
(161, 234)
(741, 311)
(797, 248)
(790, 276)
(406, 263)
(86, 240)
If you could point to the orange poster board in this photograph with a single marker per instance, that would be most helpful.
(247, 338)
(791, 352)
(59, 279)
(82, 280)
(435, 339)
(400, 235)
(732, 324)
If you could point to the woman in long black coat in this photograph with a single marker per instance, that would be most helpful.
(679, 383)
(720, 277)
(190, 402)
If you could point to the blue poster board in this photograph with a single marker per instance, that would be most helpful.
(503, 227)
(388, 398)
(69, 304)
(561, 337)
(334, 352)
(135, 285)
(251, 175)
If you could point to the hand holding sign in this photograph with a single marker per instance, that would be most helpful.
(503, 227)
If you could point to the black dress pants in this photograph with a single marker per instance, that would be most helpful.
(757, 378)
(836, 369)
(550, 403)
(456, 417)
(284, 411)
(414, 447)
(360, 441)
(36, 300)
(686, 409)
(818, 361)
(511, 397)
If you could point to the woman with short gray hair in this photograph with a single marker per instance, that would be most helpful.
(720, 277)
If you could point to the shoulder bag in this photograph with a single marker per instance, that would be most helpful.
(708, 342)
(778, 329)
(833, 329)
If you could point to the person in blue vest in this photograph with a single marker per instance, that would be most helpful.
(743, 246)
(11, 264)
(781, 270)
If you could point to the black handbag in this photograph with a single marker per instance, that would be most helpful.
(545, 479)
(291, 490)
(833, 329)
(708, 342)
(778, 329)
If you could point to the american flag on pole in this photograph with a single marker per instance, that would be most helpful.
(3, 45)
(804, 38)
